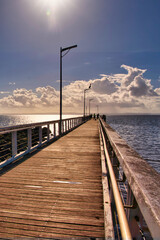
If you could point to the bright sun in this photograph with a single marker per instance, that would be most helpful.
(54, 5)
(54, 10)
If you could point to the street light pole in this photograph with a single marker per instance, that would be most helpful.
(60, 124)
(89, 104)
(61, 56)
(84, 98)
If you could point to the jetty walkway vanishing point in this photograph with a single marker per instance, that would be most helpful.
(86, 184)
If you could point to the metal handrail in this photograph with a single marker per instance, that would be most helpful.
(124, 227)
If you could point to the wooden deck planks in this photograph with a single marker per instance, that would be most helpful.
(57, 192)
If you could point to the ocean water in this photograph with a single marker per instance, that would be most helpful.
(12, 120)
(141, 132)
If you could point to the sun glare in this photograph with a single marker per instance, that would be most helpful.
(53, 5)
(54, 10)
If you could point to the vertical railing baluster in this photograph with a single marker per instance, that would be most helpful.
(48, 131)
(54, 129)
(29, 133)
(58, 128)
(14, 143)
(65, 125)
(40, 135)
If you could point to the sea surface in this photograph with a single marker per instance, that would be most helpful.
(12, 120)
(141, 132)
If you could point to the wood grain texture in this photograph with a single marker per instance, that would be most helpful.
(57, 192)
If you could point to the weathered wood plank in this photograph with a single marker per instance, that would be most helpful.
(56, 193)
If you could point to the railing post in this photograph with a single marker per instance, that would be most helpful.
(115, 164)
(133, 214)
(58, 129)
(48, 137)
(65, 125)
(40, 135)
(54, 129)
(14, 143)
(29, 132)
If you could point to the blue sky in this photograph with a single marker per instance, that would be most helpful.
(109, 33)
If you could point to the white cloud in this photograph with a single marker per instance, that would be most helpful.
(142, 87)
(4, 92)
(132, 74)
(115, 93)
(157, 90)
(20, 98)
(12, 83)
(48, 96)
(104, 86)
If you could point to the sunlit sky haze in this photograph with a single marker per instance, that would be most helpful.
(118, 53)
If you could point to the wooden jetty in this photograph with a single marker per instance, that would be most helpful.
(57, 192)
(75, 185)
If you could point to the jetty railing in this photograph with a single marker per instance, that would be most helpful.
(17, 141)
(134, 189)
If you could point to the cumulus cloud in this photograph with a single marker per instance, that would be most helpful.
(142, 87)
(115, 93)
(20, 98)
(104, 85)
(48, 96)
(132, 74)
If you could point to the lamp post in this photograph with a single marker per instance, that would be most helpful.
(61, 56)
(84, 97)
(89, 104)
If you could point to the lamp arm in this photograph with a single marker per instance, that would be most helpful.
(66, 53)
